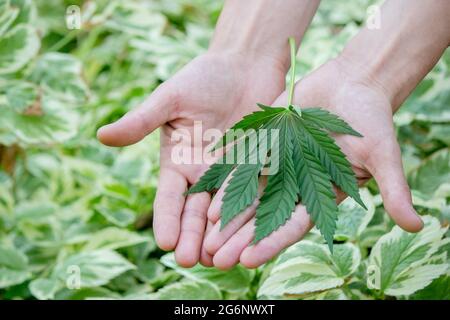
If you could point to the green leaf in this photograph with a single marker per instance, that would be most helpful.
(212, 179)
(251, 121)
(118, 216)
(324, 148)
(240, 192)
(17, 47)
(13, 267)
(432, 173)
(22, 96)
(352, 219)
(113, 238)
(307, 268)
(328, 121)
(316, 190)
(242, 152)
(236, 280)
(60, 75)
(50, 123)
(189, 290)
(44, 289)
(279, 198)
(86, 294)
(400, 261)
(439, 289)
(150, 270)
(92, 269)
(8, 14)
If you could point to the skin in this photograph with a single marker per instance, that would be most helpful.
(246, 63)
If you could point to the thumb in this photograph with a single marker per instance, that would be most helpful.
(138, 123)
(386, 167)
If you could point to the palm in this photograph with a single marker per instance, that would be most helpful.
(368, 111)
(217, 91)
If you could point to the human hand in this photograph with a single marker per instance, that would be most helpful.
(216, 89)
(365, 106)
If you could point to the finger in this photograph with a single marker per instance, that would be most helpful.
(193, 223)
(216, 203)
(386, 167)
(217, 237)
(294, 230)
(138, 123)
(168, 205)
(205, 258)
(228, 255)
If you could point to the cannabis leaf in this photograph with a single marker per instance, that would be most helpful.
(303, 158)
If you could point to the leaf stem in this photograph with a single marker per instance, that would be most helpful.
(293, 62)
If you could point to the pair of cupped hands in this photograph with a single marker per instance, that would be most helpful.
(218, 89)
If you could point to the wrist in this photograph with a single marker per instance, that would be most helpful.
(398, 55)
(261, 28)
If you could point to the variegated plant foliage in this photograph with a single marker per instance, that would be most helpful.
(399, 264)
(308, 268)
(38, 93)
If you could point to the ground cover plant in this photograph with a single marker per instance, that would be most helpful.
(69, 206)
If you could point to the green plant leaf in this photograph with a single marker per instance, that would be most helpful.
(212, 179)
(352, 219)
(60, 75)
(280, 196)
(13, 267)
(113, 238)
(44, 289)
(316, 190)
(237, 280)
(118, 216)
(307, 268)
(188, 290)
(400, 260)
(240, 192)
(439, 289)
(48, 123)
(17, 47)
(92, 268)
(22, 96)
(328, 121)
(8, 14)
(324, 148)
(253, 121)
(432, 173)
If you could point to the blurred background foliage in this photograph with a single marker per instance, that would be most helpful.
(69, 205)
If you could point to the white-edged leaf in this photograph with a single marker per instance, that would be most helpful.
(17, 47)
(60, 75)
(352, 218)
(114, 238)
(92, 269)
(235, 280)
(308, 267)
(44, 289)
(400, 260)
(13, 267)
